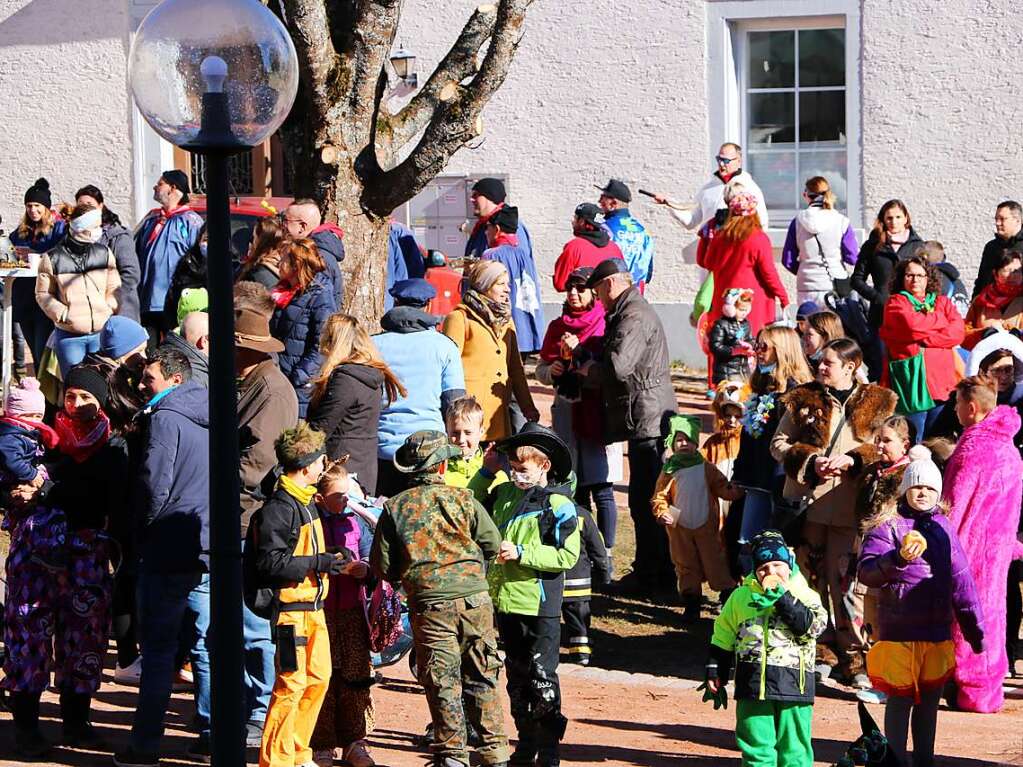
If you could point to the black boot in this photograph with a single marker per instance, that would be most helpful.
(524, 754)
(28, 740)
(78, 732)
(691, 613)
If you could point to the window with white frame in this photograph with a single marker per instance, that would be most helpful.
(792, 99)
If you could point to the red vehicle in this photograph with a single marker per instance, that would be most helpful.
(245, 211)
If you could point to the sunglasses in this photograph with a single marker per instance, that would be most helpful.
(725, 160)
(576, 288)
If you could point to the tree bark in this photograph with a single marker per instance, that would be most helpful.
(344, 143)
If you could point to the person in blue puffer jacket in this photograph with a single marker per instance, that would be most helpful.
(304, 300)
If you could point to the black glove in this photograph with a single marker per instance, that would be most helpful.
(330, 563)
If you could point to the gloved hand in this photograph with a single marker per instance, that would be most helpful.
(976, 640)
(765, 601)
(719, 696)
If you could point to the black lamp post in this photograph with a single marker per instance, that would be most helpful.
(217, 77)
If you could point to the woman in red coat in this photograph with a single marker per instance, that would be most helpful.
(921, 329)
(740, 256)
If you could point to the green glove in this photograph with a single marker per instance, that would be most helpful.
(719, 698)
(766, 600)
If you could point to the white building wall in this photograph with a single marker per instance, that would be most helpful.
(942, 116)
(64, 86)
(598, 89)
(616, 88)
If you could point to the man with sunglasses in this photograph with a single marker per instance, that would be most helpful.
(710, 199)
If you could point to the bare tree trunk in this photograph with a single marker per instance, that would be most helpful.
(345, 142)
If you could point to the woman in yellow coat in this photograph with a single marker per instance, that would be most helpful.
(482, 328)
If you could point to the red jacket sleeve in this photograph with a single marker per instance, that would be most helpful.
(941, 329)
(564, 266)
(767, 275)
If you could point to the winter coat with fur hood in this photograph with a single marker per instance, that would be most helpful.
(983, 484)
(812, 414)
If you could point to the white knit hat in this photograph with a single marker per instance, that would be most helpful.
(921, 471)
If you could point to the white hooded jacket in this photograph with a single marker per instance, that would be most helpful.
(818, 239)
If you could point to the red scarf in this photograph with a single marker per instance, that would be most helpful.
(81, 439)
(904, 461)
(586, 324)
(503, 238)
(995, 297)
(481, 223)
(164, 218)
(47, 436)
(283, 294)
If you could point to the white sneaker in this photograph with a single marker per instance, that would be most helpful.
(357, 755)
(323, 758)
(129, 676)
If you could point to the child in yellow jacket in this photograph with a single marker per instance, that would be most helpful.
(688, 502)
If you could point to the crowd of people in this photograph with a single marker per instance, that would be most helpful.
(856, 504)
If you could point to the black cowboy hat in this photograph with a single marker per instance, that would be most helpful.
(546, 441)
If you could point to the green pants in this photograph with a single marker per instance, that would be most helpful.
(456, 654)
(774, 734)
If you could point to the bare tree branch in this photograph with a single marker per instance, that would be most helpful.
(458, 65)
(455, 120)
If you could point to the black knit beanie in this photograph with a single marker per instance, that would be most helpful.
(179, 181)
(88, 379)
(39, 192)
(507, 218)
(491, 188)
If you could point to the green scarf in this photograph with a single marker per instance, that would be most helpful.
(926, 306)
(301, 494)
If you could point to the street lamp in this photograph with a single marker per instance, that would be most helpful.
(404, 64)
(217, 77)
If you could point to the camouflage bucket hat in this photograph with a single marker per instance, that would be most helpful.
(423, 450)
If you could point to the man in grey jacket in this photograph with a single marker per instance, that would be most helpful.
(634, 376)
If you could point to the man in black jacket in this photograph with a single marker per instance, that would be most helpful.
(634, 376)
(1008, 234)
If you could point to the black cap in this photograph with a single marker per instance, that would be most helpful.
(507, 218)
(178, 180)
(588, 212)
(39, 192)
(616, 190)
(580, 276)
(491, 188)
(88, 379)
(606, 268)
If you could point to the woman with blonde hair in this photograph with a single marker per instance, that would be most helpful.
(781, 366)
(482, 329)
(304, 299)
(819, 244)
(740, 256)
(348, 395)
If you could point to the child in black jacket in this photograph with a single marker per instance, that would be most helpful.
(575, 604)
(731, 337)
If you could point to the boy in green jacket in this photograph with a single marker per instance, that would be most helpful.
(537, 519)
(769, 626)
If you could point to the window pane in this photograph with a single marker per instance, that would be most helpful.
(821, 57)
(775, 173)
(772, 59)
(772, 118)
(833, 166)
(822, 118)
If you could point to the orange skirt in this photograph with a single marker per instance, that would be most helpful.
(906, 668)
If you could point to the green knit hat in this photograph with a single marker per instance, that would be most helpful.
(192, 300)
(684, 424)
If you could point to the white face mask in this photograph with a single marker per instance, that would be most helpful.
(524, 480)
(91, 235)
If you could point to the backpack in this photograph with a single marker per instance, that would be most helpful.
(261, 599)
(384, 616)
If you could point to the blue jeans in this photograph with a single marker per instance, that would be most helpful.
(923, 420)
(603, 496)
(174, 612)
(260, 672)
(71, 348)
(757, 509)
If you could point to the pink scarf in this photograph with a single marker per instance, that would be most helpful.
(586, 324)
(81, 439)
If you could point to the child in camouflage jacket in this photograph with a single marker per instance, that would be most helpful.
(769, 627)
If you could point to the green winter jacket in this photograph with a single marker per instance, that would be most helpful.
(542, 522)
(782, 667)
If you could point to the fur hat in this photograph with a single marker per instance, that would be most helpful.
(299, 447)
(922, 471)
(729, 393)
